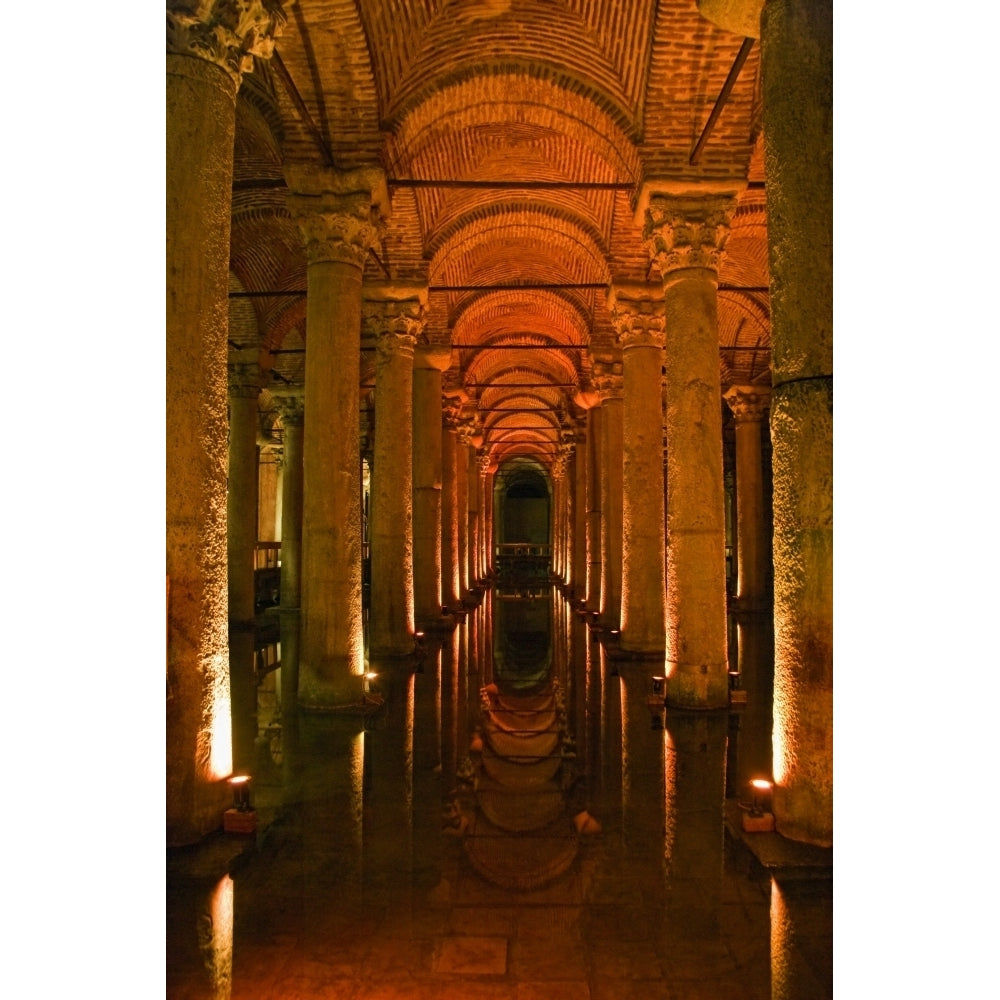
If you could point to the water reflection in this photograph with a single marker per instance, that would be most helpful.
(515, 787)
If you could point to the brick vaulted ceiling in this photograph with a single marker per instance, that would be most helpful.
(515, 136)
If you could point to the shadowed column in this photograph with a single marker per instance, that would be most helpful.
(241, 511)
(394, 314)
(608, 382)
(428, 364)
(290, 405)
(637, 313)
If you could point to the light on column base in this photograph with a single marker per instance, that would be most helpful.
(241, 818)
(759, 819)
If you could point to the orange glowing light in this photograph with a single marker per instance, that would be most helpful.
(761, 784)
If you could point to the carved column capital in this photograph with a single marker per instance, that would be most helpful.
(681, 231)
(341, 215)
(244, 377)
(451, 409)
(637, 314)
(395, 318)
(749, 403)
(290, 404)
(227, 33)
(608, 379)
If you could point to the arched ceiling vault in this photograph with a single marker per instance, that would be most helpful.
(514, 136)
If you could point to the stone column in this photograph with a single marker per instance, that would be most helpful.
(637, 313)
(395, 315)
(487, 466)
(685, 235)
(429, 363)
(796, 59)
(207, 54)
(290, 404)
(749, 405)
(473, 540)
(241, 519)
(340, 216)
(579, 553)
(595, 468)
(450, 595)
(609, 383)
(465, 430)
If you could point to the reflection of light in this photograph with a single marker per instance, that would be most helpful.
(219, 949)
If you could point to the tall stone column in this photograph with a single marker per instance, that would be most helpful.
(450, 594)
(473, 539)
(558, 474)
(290, 404)
(340, 216)
(395, 314)
(796, 59)
(241, 519)
(579, 554)
(685, 234)
(595, 470)
(208, 52)
(487, 467)
(429, 363)
(609, 383)
(637, 313)
(465, 430)
(749, 405)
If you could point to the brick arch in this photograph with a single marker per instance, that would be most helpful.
(550, 313)
(428, 135)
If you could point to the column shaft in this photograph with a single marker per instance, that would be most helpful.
(685, 234)
(396, 322)
(449, 513)
(427, 484)
(594, 494)
(796, 59)
(292, 414)
(241, 515)
(201, 111)
(639, 321)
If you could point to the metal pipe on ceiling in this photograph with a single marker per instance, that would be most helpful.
(720, 101)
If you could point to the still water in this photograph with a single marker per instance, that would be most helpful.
(517, 821)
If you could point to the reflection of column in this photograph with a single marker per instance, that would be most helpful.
(207, 55)
(749, 404)
(796, 59)
(801, 938)
(241, 514)
(340, 218)
(395, 315)
(608, 381)
(449, 504)
(290, 405)
(642, 772)
(388, 805)
(638, 318)
(428, 364)
(685, 236)
(695, 764)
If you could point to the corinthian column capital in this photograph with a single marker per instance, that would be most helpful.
(243, 373)
(228, 33)
(637, 314)
(608, 379)
(341, 215)
(686, 229)
(290, 404)
(395, 316)
(749, 403)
